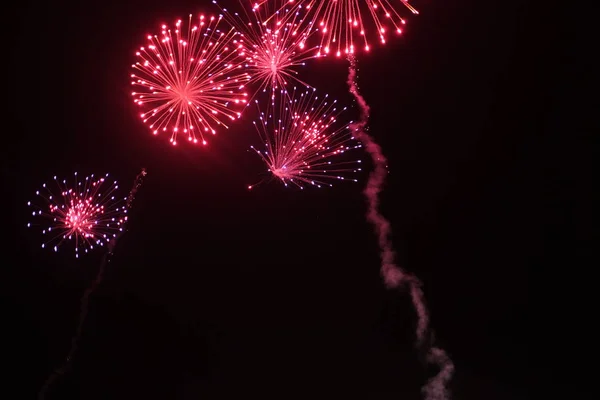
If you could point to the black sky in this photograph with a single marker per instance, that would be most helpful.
(217, 291)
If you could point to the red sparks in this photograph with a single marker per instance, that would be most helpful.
(188, 77)
(271, 45)
(86, 214)
(345, 24)
(303, 141)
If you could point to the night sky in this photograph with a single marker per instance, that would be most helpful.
(216, 291)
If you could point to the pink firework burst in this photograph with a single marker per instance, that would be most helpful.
(189, 79)
(304, 143)
(271, 44)
(346, 24)
(86, 214)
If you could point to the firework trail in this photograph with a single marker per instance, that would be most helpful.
(304, 140)
(86, 296)
(394, 276)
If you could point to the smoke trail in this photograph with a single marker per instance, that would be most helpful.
(394, 276)
(86, 296)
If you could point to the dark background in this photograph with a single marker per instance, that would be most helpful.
(218, 291)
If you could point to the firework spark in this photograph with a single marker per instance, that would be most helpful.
(345, 25)
(86, 214)
(303, 141)
(272, 46)
(188, 77)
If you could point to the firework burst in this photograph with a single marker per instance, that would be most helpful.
(303, 140)
(189, 79)
(87, 214)
(346, 26)
(83, 212)
(271, 44)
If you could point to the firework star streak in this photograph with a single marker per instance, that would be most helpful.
(87, 214)
(304, 143)
(272, 47)
(83, 311)
(190, 79)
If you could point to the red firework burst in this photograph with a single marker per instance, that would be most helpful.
(188, 77)
(303, 140)
(271, 44)
(342, 23)
(86, 214)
